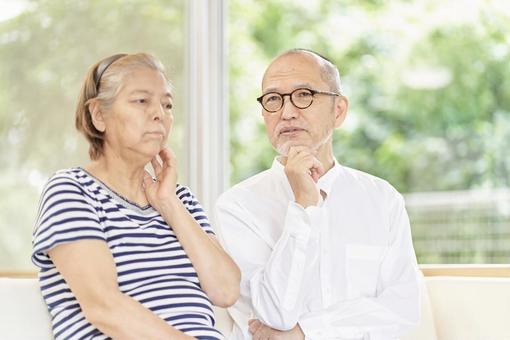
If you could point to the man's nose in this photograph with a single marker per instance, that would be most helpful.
(289, 110)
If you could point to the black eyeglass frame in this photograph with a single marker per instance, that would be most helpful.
(101, 68)
(313, 92)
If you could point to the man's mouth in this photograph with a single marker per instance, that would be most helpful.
(290, 130)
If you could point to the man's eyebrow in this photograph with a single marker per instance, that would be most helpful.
(297, 86)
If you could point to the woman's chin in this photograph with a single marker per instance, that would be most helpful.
(150, 153)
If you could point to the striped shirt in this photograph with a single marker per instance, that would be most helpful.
(151, 264)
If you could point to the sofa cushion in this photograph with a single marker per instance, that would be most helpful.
(471, 308)
(23, 313)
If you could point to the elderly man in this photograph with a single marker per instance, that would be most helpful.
(325, 250)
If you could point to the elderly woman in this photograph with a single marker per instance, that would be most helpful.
(123, 254)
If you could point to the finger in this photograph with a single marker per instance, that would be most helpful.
(315, 175)
(165, 155)
(302, 161)
(319, 168)
(156, 165)
(147, 179)
(296, 150)
(168, 157)
(254, 326)
(266, 332)
(259, 333)
(300, 156)
(259, 328)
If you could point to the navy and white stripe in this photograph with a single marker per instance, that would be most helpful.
(151, 264)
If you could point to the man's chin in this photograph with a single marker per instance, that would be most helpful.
(283, 148)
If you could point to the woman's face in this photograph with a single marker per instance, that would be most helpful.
(140, 119)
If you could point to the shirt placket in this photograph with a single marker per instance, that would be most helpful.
(325, 266)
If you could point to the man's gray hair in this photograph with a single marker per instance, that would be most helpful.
(329, 71)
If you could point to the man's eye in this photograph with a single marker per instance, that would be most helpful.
(304, 94)
(141, 101)
(168, 106)
(272, 98)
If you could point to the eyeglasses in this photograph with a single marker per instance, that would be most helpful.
(300, 98)
(101, 68)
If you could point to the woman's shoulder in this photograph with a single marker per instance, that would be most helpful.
(71, 177)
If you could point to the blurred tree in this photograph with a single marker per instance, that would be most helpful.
(429, 109)
(429, 95)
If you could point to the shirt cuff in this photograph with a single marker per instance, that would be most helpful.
(300, 221)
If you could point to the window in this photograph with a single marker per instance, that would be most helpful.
(429, 106)
(45, 49)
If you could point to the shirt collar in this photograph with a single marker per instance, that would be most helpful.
(326, 181)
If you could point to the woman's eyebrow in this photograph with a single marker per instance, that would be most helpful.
(140, 91)
(166, 94)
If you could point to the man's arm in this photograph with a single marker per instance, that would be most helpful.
(396, 307)
(274, 287)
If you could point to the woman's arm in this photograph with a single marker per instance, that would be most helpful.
(218, 274)
(89, 269)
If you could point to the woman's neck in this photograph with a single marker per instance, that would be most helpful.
(121, 176)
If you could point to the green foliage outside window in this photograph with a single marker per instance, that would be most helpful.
(45, 52)
(429, 90)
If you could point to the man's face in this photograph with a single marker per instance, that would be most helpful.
(291, 126)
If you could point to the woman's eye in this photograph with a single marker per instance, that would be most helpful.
(141, 101)
(168, 106)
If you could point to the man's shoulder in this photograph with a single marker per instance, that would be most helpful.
(366, 181)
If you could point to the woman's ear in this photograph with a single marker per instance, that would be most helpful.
(97, 116)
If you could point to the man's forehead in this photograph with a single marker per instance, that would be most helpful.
(292, 71)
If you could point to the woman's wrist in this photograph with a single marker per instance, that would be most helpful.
(169, 208)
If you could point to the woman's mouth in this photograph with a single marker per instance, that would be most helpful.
(156, 134)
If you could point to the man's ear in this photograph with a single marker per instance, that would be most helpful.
(97, 116)
(341, 106)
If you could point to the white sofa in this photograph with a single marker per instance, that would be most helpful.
(453, 308)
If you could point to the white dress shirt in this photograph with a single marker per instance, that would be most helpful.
(344, 269)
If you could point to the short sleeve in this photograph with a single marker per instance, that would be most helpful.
(66, 214)
(194, 208)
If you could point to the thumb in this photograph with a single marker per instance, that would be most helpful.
(315, 174)
(147, 179)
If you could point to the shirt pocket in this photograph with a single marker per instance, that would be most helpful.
(362, 269)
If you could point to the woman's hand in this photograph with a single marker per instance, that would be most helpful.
(163, 188)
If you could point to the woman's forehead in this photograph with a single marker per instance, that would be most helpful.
(146, 81)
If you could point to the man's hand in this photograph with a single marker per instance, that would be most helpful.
(303, 170)
(259, 331)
